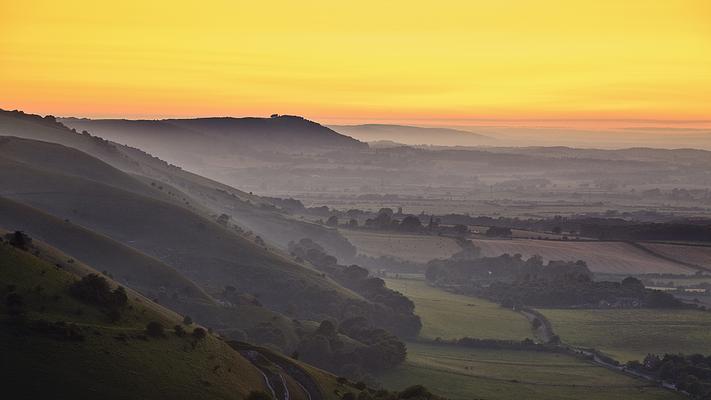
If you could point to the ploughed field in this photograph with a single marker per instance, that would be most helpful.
(464, 373)
(416, 248)
(602, 257)
(451, 316)
(633, 333)
(696, 255)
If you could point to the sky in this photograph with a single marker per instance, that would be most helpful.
(443, 62)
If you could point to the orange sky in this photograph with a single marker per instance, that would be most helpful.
(444, 62)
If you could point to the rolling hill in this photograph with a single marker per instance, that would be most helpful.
(55, 343)
(221, 135)
(60, 341)
(200, 249)
(414, 135)
(196, 192)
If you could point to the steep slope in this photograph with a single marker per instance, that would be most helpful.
(188, 189)
(61, 338)
(205, 252)
(56, 345)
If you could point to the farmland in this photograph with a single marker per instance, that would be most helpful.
(450, 316)
(416, 248)
(603, 257)
(696, 255)
(464, 373)
(632, 334)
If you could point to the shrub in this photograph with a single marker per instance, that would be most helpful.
(187, 320)
(19, 239)
(199, 333)
(179, 331)
(154, 329)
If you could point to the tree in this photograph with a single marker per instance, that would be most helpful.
(19, 239)
(154, 329)
(96, 289)
(327, 328)
(332, 221)
(460, 229)
(187, 320)
(199, 333)
(496, 231)
(411, 223)
(353, 223)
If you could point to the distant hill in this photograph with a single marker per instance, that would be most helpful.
(413, 135)
(220, 135)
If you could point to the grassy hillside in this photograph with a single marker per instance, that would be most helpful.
(451, 316)
(632, 334)
(464, 373)
(604, 257)
(190, 190)
(198, 248)
(87, 355)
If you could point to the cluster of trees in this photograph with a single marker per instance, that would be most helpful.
(690, 373)
(395, 311)
(353, 349)
(19, 239)
(515, 282)
(95, 289)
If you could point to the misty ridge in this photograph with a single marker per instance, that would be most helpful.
(278, 258)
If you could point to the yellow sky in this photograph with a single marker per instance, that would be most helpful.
(348, 61)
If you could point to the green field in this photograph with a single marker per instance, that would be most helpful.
(465, 373)
(451, 316)
(631, 334)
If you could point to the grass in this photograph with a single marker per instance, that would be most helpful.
(168, 367)
(416, 248)
(602, 257)
(450, 316)
(464, 373)
(632, 334)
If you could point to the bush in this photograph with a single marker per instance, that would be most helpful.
(19, 239)
(179, 331)
(199, 333)
(154, 329)
(187, 320)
